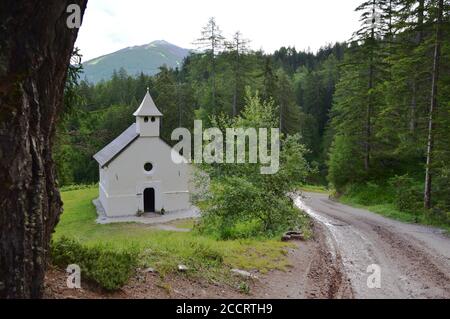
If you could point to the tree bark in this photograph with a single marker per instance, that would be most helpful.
(35, 50)
(433, 104)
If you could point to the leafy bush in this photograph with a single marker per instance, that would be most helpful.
(442, 191)
(107, 267)
(407, 193)
(242, 210)
(401, 198)
(343, 165)
(245, 203)
(369, 193)
(244, 287)
(402, 191)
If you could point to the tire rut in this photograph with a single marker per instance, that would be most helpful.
(420, 265)
(325, 276)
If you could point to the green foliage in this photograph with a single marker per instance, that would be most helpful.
(244, 203)
(408, 193)
(239, 209)
(442, 190)
(289, 111)
(386, 200)
(380, 117)
(107, 267)
(344, 167)
(244, 288)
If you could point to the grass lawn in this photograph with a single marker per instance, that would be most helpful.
(165, 250)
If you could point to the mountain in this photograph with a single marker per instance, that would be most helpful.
(145, 58)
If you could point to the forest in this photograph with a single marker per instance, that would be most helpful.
(370, 117)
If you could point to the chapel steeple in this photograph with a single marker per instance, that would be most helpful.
(148, 117)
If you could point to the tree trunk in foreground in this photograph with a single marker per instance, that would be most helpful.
(35, 50)
(433, 104)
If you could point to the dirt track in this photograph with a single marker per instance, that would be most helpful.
(414, 260)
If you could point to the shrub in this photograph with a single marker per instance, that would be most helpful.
(243, 202)
(407, 193)
(242, 210)
(442, 191)
(113, 269)
(244, 288)
(370, 193)
(343, 165)
(109, 268)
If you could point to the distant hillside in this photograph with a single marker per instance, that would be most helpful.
(145, 58)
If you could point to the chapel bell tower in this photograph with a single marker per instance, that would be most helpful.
(148, 117)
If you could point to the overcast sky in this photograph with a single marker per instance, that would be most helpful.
(110, 25)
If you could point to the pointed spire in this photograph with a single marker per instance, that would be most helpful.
(147, 107)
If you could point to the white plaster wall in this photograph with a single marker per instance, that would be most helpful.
(147, 129)
(103, 177)
(176, 201)
(103, 196)
(127, 179)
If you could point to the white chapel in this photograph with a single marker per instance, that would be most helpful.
(137, 173)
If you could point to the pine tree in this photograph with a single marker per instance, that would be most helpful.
(372, 30)
(238, 47)
(357, 98)
(212, 42)
(269, 80)
(289, 112)
(438, 37)
(348, 120)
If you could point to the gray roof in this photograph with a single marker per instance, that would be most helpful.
(147, 107)
(110, 151)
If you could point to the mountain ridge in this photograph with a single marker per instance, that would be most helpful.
(146, 58)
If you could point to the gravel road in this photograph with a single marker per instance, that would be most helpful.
(413, 260)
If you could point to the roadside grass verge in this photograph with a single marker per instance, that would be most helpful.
(389, 210)
(380, 199)
(164, 250)
(314, 189)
